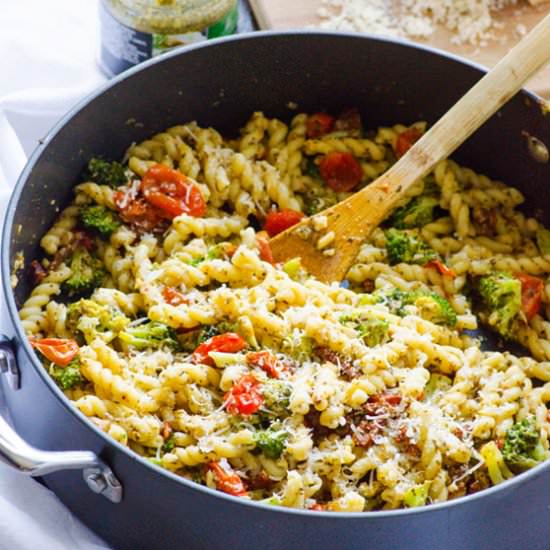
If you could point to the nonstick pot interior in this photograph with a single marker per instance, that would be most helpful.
(221, 84)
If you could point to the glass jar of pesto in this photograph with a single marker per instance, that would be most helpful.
(135, 30)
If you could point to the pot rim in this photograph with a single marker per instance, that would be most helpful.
(21, 337)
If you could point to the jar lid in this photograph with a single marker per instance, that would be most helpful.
(169, 16)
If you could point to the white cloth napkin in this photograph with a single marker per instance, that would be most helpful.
(48, 63)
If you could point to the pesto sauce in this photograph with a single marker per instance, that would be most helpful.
(133, 31)
(170, 16)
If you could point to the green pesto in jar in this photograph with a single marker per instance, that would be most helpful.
(135, 30)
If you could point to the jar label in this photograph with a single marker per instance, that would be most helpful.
(123, 47)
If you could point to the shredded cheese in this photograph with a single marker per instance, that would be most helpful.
(470, 21)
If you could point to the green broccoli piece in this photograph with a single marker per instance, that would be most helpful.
(93, 320)
(522, 447)
(371, 330)
(417, 213)
(298, 346)
(87, 273)
(99, 219)
(312, 169)
(431, 306)
(435, 308)
(271, 442)
(150, 335)
(405, 247)
(106, 173)
(67, 377)
(417, 495)
(295, 270)
(272, 501)
(169, 444)
(276, 394)
(501, 294)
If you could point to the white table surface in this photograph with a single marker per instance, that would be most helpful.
(48, 61)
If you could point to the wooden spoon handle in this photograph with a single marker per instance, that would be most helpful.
(477, 105)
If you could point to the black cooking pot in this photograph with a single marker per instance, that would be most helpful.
(221, 84)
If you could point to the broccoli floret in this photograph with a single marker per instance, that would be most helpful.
(150, 335)
(106, 173)
(431, 306)
(169, 444)
(271, 442)
(295, 270)
(276, 394)
(404, 247)
(312, 169)
(272, 501)
(87, 273)
(436, 309)
(522, 447)
(67, 377)
(99, 219)
(501, 294)
(298, 346)
(371, 330)
(417, 213)
(417, 495)
(95, 320)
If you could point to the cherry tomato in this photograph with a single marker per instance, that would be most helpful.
(317, 507)
(265, 360)
(245, 397)
(277, 221)
(318, 125)
(172, 192)
(166, 430)
(405, 140)
(442, 268)
(174, 297)
(341, 171)
(265, 249)
(348, 121)
(230, 342)
(391, 398)
(531, 294)
(60, 351)
(137, 212)
(228, 482)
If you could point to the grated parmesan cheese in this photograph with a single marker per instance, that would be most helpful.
(470, 21)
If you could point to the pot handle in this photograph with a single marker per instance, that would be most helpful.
(15, 452)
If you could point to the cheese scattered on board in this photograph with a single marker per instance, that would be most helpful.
(470, 21)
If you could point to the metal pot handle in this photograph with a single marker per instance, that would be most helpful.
(15, 452)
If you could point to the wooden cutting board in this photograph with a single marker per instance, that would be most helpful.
(292, 14)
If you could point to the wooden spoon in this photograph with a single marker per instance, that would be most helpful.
(353, 219)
